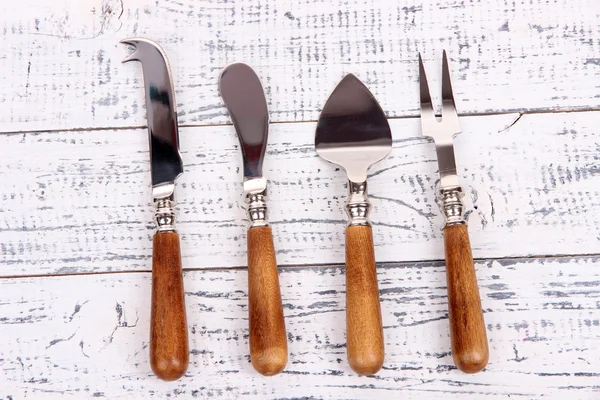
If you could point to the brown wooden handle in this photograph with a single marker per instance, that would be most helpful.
(268, 341)
(364, 331)
(169, 354)
(467, 328)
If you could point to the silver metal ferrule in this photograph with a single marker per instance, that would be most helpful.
(358, 207)
(257, 209)
(452, 206)
(165, 215)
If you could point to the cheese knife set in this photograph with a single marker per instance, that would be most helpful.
(353, 133)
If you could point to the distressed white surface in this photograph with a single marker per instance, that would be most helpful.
(80, 201)
(542, 319)
(75, 199)
(61, 59)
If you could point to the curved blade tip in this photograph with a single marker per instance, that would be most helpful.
(234, 65)
(237, 63)
(135, 42)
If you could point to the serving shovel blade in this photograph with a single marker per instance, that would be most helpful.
(353, 131)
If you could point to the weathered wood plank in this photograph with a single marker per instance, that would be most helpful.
(542, 317)
(61, 59)
(80, 201)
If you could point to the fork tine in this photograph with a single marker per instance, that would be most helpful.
(446, 83)
(424, 87)
(449, 114)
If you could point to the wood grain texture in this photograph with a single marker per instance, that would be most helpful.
(268, 339)
(62, 58)
(526, 181)
(91, 340)
(467, 328)
(169, 354)
(364, 332)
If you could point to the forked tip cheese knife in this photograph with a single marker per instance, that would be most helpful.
(169, 355)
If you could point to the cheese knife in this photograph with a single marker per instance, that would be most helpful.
(353, 133)
(169, 355)
(244, 98)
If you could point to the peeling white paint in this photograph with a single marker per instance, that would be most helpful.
(75, 196)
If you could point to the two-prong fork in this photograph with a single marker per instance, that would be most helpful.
(467, 328)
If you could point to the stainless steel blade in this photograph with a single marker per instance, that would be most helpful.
(165, 159)
(244, 98)
(353, 131)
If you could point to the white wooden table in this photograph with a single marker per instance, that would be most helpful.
(76, 218)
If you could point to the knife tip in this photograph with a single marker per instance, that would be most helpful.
(350, 77)
(234, 65)
(132, 56)
(129, 41)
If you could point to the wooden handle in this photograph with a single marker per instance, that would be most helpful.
(364, 332)
(169, 355)
(268, 342)
(467, 329)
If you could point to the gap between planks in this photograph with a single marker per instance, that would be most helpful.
(482, 114)
(314, 265)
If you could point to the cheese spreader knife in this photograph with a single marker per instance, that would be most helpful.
(245, 100)
(353, 133)
(467, 327)
(168, 327)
